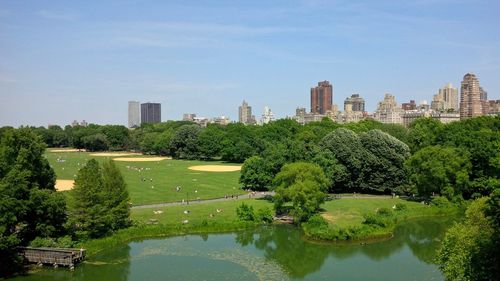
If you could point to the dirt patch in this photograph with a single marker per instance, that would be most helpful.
(141, 159)
(215, 168)
(114, 154)
(63, 185)
(328, 217)
(67, 150)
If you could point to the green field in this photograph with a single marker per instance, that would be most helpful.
(348, 212)
(174, 215)
(156, 182)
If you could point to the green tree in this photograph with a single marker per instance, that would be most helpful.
(256, 174)
(96, 142)
(245, 212)
(467, 251)
(184, 142)
(116, 196)
(383, 167)
(423, 132)
(210, 141)
(304, 185)
(100, 201)
(437, 169)
(29, 205)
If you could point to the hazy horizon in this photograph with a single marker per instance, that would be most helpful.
(72, 60)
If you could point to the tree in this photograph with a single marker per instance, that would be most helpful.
(383, 166)
(304, 185)
(334, 171)
(100, 201)
(256, 174)
(116, 196)
(184, 143)
(96, 142)
(423, 132)
(437, 169)
(117, 136)
(210, 141)
(347, 148)
(29, 205)
(469, 251)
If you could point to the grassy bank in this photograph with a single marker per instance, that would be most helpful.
(168, 221)
(367, 219)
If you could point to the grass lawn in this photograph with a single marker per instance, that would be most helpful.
(348, 212)
(156, 182)
(174, 215)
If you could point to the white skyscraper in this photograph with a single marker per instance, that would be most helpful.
(267, 116)
(134, 114)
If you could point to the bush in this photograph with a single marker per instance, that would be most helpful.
(378, 220)
(245, 212)
(441, 202)
(265, 215)
(400, 207)
(384, 212)
(61, 242)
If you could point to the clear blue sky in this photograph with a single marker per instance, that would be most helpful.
(66, 60)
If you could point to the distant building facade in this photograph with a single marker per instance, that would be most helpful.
(412, 105)
(446, 100)
(494, 107)
(188, 116)
(76, 123)
(150, 112)
(245, 114)
(134, 114)
(267, 116)
(388, 111)
(470, 97)
(357, 103)
(322, 98)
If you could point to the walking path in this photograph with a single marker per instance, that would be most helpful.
(205, 201)
(254, 195)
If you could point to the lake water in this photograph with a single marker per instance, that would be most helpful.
(268, 253)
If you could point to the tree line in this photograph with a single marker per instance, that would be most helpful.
(33, 213)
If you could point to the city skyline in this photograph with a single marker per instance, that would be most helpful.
(61, 61)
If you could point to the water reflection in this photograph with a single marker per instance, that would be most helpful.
(299, 258)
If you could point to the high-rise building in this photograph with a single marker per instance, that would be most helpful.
(412, 105)
(470, 97)
(388, 111)
(150, 112)
(357, 103)
(134, 114)
(188, 116)
(267, 116)
(245, 114)
(446, 99)
(322, 98)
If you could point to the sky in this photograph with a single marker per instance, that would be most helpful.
(67, 60)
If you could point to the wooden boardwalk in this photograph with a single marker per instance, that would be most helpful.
(53, 256)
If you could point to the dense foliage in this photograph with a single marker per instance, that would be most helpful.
(100, 202)
(470, 250)
(29, 205)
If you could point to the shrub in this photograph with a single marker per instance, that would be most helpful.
(245, 212)
(400, 207)
(384, 212)
(61, 242)
(378, 220)
(440, 202)
(265, 215)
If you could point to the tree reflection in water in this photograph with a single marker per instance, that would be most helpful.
(298, 257)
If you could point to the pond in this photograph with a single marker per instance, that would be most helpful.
(266, 253)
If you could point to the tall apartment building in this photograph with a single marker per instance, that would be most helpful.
(267, 116)
(150, 112)
(134, 114)
(356, 103)
(188, 116)
(245, 114)
(470, 97)
(322, 98)
(388, 111)
(412, 105)
(446, 99)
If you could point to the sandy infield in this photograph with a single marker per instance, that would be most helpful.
(67, 150)
(215, 168)
(63, 185)
(114, 154)
(141, 159)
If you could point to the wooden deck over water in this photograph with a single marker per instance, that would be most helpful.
(53, 256)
